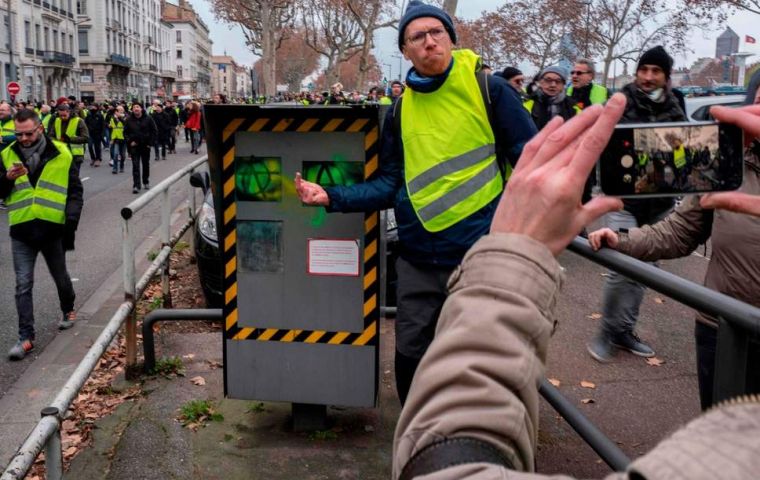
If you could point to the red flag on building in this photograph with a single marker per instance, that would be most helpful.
(748, 39)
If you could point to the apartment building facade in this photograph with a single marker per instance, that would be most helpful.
(125, 50)
(192, 50)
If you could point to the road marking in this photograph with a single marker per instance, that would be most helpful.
(700, 255)
(85, 179)
(74, 279)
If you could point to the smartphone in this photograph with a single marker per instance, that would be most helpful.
(672, 159)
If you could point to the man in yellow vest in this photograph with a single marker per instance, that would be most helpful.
(45, 116)
(71, 130)
(118, 145)
(583, 91)
(441, 164)
(7, 126)
(40, 184)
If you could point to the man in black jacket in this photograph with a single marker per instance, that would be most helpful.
(550, 100)
(40, 184)
(163, 126)
(649, 100)
(95, 127)
(171, 112)
(140, 135)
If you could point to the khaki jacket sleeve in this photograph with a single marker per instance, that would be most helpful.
(679, 234)
(479, 378)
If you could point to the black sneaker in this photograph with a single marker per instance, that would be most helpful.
(67, 321)
(631, 342)
(600, 349)
(135, 190)
(146, 186)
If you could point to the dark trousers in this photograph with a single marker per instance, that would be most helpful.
(24, 258)
(707, 341)
(172, 140)
(140, 158)
(187, 134)
(94, 146)
(421, 292)
(160, 145)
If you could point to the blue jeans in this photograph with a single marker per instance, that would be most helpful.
(24, 258)
(195, 140)
(622, 296)
(118, 154)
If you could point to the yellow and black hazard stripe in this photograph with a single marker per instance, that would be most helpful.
(350, 120)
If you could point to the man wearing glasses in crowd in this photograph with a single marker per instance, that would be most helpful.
(515, 79)
(41, 187)
(583, 91)
(550, 100)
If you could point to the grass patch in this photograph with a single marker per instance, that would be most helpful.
(256, 407)
(323, 435)
(156, 302)
(196, 413)
(169, 366)
(152, 254)
(181, 246)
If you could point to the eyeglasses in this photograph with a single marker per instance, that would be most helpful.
(578, 72)
(518, 81)
(418, 38)
(552, 81)
(26, 134)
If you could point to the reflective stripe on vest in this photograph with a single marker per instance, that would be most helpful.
(679, 157)
(46, 121)
(117, 129)
(46, 201)
(77, 149)
(449, 148)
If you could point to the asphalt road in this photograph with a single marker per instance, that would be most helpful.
(97, 256)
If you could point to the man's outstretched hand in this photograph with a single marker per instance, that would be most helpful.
(543, 196)
(748, 118)
(311, 193)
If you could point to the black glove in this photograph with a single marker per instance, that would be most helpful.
(65, 138)
(69, 232)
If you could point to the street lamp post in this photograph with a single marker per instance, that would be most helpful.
(588, 24)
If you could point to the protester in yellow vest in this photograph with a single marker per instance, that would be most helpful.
(70, 130)
(583, 91)
(7, 126)
(43, 192)
(45, 116)
(441, 163)
(118, 145)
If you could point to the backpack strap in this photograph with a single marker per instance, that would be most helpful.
(451, 452)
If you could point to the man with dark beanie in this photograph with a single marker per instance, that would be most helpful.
(515, 78)
(441, 168)
(649, 100)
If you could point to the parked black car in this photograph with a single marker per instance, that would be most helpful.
(207, 252)
(209, 258)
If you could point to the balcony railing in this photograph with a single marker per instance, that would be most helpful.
(120, 60)
(168, 74)
(51, 56)
(152, 68)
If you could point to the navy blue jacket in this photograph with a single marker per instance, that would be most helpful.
(514, 129)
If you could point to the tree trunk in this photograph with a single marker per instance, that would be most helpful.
(450, 7)
(268, 50)
(364, 61)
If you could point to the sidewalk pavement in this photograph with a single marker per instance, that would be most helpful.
(144, 439)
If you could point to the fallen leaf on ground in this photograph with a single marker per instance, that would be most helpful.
(586, 384)
(594, 316)
(189, 356)
(554, 382)
(654, 361)
(658, 300)
(586, 401)
(200, 381)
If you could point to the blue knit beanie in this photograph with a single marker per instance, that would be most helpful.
(417, 9)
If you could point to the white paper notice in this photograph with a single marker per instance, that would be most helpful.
(334, 257)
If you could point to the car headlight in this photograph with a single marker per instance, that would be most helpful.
(207, 222)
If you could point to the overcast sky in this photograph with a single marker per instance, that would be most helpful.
(230, 39)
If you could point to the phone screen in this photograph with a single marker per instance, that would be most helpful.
(672, 159)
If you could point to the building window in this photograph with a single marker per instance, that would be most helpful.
(179, 36)
(179, 71)
(7, 34)
(179, 53)
(28, 34)
(47, 38)
(86, 75)
(37, 41)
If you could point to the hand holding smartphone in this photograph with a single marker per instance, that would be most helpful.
(672, 159)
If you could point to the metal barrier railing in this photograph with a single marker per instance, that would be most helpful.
(738, 323)
(46, 434)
